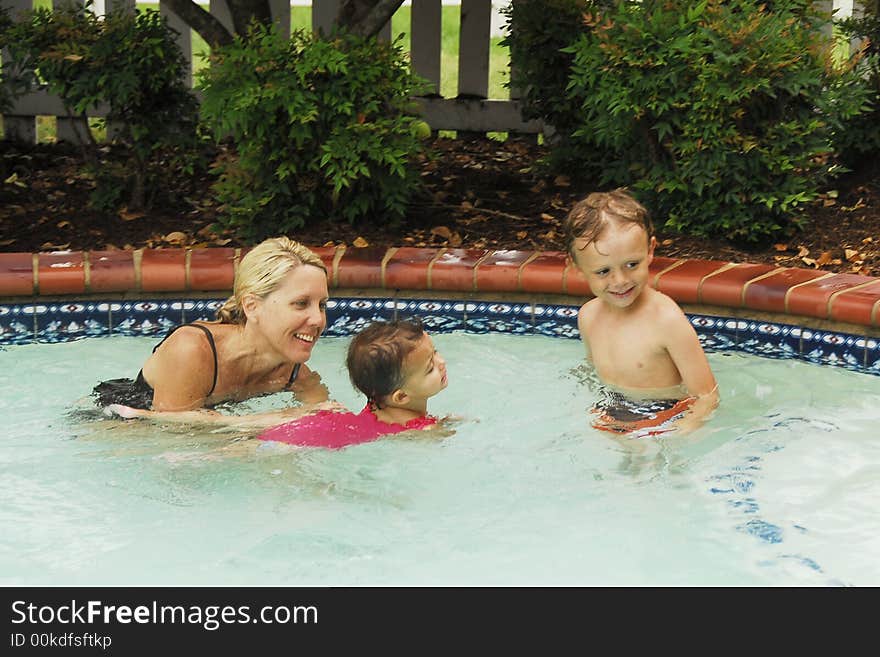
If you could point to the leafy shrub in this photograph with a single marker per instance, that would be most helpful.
(321, 128)
(721, 115)
(859, 140)
(126, 61)
(5, 92)
(538, 33)
(13, 82)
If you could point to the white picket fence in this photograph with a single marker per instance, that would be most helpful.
(470, 111)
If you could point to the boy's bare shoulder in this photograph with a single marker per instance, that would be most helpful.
(666, 312)
(589, 309)
(587, 315)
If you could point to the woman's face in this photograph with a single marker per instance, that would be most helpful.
(293, 316)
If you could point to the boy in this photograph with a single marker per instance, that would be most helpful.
(638, 340)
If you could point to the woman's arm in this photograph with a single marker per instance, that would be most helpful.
(205, 416)
(181, 371)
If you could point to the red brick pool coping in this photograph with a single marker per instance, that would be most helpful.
(743, 289)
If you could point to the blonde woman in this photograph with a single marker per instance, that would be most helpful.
(259, 343)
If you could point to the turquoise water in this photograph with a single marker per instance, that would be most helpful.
(780, 488)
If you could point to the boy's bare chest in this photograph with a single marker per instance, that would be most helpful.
(630, 354)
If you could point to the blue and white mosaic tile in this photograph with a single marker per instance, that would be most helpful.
(832, 348)
(715, 333)
(498, 317)
(768, 339)
(348, 316)
(17, 324)
(201, 310)
(61, 322)
(138, 318)
(438, 315)
(872, 356)
(557, 321)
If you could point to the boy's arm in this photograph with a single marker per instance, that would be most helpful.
(687, 353)
(585, 315)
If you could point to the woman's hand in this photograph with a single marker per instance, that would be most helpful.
(125, 412)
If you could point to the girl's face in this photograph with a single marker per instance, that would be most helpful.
(424, 371)
(293, 316)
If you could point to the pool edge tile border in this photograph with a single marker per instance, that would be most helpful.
(466, 281)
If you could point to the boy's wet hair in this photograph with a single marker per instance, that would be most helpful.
(376, 356)
(589, 217)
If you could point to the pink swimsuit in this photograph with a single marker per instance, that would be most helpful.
(336, 430)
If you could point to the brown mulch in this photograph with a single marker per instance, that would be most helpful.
(480, 193)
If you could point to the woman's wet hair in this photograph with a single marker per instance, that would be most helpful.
(590, 216)
(261, 272)
(377, 354)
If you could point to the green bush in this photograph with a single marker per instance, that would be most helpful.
(6, 95)
(859, 139)
(322, 128)
(538, 33)
(721, 115)
(127, 62)
(13, 82)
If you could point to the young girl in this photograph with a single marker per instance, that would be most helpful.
(398, 369)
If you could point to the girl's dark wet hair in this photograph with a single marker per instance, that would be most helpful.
(376, 356)
(589, 217)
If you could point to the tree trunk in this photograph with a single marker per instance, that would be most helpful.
(366, 17)
(208, 27)
(363, 17)
(245, 11)
(137, 200)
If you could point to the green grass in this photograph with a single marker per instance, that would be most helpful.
(300, 18)
(499, 57)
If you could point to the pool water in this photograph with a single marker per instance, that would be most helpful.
(780, 488)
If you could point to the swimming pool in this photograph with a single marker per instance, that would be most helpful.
(780, 488)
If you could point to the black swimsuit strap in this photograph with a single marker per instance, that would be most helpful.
(293, 375)
(213, 350)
